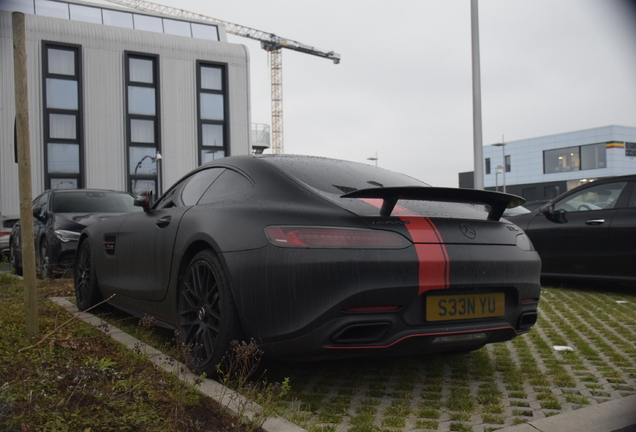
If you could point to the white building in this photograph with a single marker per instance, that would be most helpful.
(544, 167)
(110, 90)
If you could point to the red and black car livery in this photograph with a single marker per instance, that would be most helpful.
(316, 258)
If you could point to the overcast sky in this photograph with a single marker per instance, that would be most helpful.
(404, 86)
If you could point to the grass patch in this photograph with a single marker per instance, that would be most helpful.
(80, 379)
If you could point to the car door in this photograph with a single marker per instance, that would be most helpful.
(574, 239)
(622, 238)
(145, 240)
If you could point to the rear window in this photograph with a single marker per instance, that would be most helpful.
(8, 223)
(332, 178)
(338, 176)
(93, 202)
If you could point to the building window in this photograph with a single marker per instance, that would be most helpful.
(212, 111)
(63, 143)
(550, 192)
(592, 156)
(142, 121)
(508, 166)
(530, 194)
(487, 165)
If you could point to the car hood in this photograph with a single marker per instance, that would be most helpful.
(78, 221)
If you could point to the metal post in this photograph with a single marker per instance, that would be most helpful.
(502, 144)
(24, 172)
(477, 127)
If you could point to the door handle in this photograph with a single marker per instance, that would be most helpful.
(164, 221)
(595, 222)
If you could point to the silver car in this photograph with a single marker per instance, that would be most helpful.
(6, 223)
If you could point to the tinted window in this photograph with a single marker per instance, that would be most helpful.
(598, 197)
(340, 177)
(198, 184)
(93, 202)
(39, 205)
(228, 183)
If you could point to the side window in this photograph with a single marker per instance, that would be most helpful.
(198, 184)
(593, 198)
(230, 182)
(167, 200)
(39, 205)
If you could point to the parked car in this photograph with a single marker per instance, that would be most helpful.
(588, 232)
(315, 258)
(6, 223)
(58, 218)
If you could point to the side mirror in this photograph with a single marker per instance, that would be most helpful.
(143, 199)
(548, 210)
(557, 216)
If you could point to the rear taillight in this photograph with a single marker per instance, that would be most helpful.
(335, 238)
(5, 233)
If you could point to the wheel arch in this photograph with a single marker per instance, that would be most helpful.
(193, 249)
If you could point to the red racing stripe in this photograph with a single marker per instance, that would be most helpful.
(431, 252)
(434, 270)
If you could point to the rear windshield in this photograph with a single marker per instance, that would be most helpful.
(338, 176)
(332, 178)
(93, 202)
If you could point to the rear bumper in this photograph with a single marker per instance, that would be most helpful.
(332, 303)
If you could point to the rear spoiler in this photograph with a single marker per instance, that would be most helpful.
(497, 201)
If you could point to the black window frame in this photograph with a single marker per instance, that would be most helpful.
(487, 165)
(156, 145)
(78, 113)
(200, 121)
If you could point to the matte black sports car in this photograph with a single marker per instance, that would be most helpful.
(58, 218)
(588, 232)
(316, 258)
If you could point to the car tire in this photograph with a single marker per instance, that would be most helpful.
(208, 319)
(15, 268)
(45, 259)
(87, 292)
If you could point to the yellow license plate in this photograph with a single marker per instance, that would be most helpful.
(467, 306)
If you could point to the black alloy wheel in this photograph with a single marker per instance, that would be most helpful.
(45, 259)
(87, 292)
(208, 320)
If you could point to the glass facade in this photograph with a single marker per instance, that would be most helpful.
(212, 121)
(101, 15)
(142, 121)
(63, 145)
(592, 156)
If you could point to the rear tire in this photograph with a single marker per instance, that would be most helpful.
(208, 319)
(87, 292)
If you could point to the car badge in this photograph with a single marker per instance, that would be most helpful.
(468, 231)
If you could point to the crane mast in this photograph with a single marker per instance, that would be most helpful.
(270, 42)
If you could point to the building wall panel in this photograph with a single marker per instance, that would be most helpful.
(103, 49)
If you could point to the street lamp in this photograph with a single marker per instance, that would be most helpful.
(497, 172)
(503, 161)
(374, 158)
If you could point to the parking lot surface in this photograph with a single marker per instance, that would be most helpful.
(581, 353)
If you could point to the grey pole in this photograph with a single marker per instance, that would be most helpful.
(477, 131)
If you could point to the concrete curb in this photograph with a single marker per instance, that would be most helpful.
(232, 402)
(617, 415)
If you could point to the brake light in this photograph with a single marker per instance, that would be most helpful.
(336, 238)
(5, 233)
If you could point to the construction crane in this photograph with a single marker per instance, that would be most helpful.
(269, 42)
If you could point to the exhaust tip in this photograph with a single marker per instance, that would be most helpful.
(527, 320)
(361, 333)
